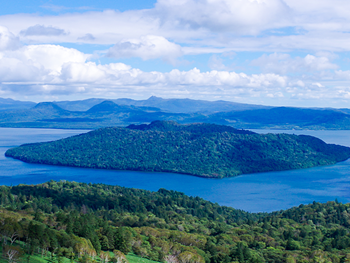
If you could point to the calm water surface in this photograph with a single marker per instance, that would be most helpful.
(254, 192)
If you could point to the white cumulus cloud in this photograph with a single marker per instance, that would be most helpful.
(8, 41)
(37, 62)
(52, 69)
(146, 47)
(201, 25)
(284, 63)
(247, 17)
(55, 72)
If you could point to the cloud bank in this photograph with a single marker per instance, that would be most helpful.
(146, 47)
(40, 30)
(295, 50)
(53, 70)
(264, 25)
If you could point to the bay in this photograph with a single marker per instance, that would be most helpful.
(261, 192)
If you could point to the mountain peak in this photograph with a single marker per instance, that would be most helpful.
(166, 126)
(155, 98)
(106, 105)
(47, 105)
(48, 108)
(110, 106)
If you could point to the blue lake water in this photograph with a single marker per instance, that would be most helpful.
(254, 192)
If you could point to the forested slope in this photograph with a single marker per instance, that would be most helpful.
(84, 221)
(198, 149)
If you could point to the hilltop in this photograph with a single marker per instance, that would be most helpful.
(207, 150)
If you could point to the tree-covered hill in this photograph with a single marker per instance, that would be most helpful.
(87, 222)
(207, 150)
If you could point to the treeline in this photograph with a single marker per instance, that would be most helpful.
(198, 149)
(82, 221)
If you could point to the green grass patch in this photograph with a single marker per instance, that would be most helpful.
(132, 258)
(36, 258)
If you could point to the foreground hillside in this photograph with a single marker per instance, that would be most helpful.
(76, 222)
(198, 149)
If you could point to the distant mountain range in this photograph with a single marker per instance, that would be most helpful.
(10, 104)
(166, 105)
(97, 113)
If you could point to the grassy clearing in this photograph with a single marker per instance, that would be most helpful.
(37, 258)
(135, 259)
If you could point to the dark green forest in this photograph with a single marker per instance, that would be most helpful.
(206, 150)
(82, 222)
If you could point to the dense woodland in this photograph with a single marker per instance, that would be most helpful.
(96, 222)
(207, 150)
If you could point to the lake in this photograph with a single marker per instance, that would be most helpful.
(261, 192)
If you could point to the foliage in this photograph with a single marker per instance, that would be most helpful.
(199, 149)
(83, 221)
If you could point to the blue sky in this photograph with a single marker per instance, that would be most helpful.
(60, 7)
(271, 52)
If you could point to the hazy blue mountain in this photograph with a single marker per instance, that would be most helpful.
(106, 113)
(111, 107)
(189, 105)
(10, 104)
(285, 117)
(346, 111)
(39, 111)
(49, 108)
(78, 105)
(126, 111)
(167, 105)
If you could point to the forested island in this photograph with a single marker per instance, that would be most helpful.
(202, 149)
(77, 222)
